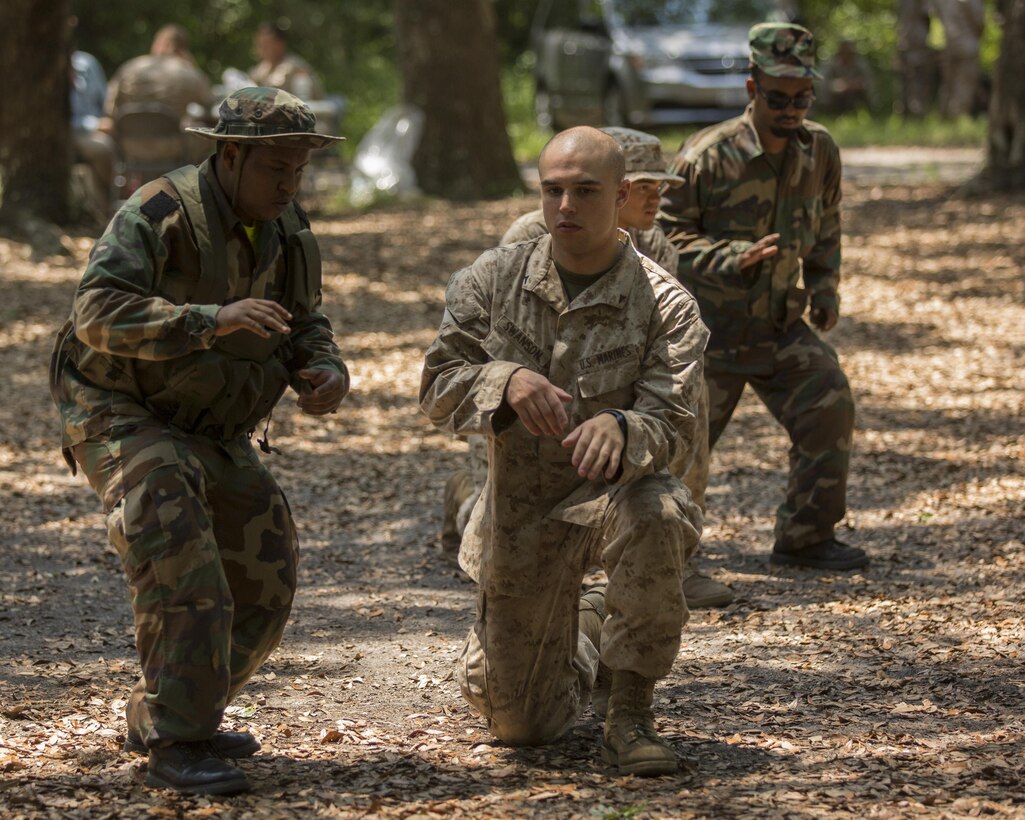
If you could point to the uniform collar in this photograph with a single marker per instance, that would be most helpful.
(612, 289)
(229, 219)
(752, 146)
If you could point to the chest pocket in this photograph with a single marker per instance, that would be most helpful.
(809, 220)
(733, 216)
(608, 387)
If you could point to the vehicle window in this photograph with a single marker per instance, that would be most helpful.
(638, 13)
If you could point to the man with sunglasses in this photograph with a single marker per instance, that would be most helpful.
(757, 224)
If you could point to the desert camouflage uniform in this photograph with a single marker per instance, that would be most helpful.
(465, 486)
(631, 341)
(758, 335)
(293, 74)
(158, 411)
(173, 82)
(653, 244)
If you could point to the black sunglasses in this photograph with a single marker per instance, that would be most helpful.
(778, 101)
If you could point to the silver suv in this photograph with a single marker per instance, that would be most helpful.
(643, 62)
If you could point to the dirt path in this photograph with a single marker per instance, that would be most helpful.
(896, 692)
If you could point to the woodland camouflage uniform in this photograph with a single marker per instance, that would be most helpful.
(158, 413)
(732, 197)
(632, 341)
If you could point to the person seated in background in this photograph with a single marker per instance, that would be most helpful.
(279, 68)
(167, 75)
(645, 169)
(847, 82)
(92, 147)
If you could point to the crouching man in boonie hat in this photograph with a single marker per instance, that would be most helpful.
(199, 307)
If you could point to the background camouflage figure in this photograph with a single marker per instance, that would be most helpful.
(189, 323)
(630, 341)
(166, 76)
(758, 228)
(915, 60)
(963, 22)
(645, 168)
(279, 68)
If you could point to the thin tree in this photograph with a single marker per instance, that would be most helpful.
(448, 58)
(1005, 162)
(35, 147)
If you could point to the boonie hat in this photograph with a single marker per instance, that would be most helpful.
(266, 116)
(783, 50)
(643, 154)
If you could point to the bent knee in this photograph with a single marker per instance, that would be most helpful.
(660, 502)
(517, 728)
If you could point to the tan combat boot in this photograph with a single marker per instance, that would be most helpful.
(631, 742)
(457, 489)
(592, 617)
(702, 592)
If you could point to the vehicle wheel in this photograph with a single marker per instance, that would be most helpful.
(543, 109)
(613, 107)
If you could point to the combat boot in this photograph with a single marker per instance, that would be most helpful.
(702, 592)
(631, 742)
(592, 617)
(458, 489)
(829, 554)
(193, 768)
(224, 744)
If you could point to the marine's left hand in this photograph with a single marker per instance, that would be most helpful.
(824, 318)
(597, 446)
(328, 390)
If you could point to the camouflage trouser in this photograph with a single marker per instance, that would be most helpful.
(808, 394)
(527, 667)
(960, 79)
(207, 542)
(916, 70)
(465, 486)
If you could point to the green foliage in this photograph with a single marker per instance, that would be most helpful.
(872, 25)
(518, 91)
(862, 129)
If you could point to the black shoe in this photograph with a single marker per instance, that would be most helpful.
(193, 768)
(224, 744)
(828, 554)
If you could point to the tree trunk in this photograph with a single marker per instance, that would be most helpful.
(448, 57)
(35, 139)
(1005, 165)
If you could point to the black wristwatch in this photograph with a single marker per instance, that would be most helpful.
(620, 418)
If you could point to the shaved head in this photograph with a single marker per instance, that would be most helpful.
(602, 152)
(582, 191)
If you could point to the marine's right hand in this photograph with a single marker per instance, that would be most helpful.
(762, 249)
(537, 402)
(259, 316)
